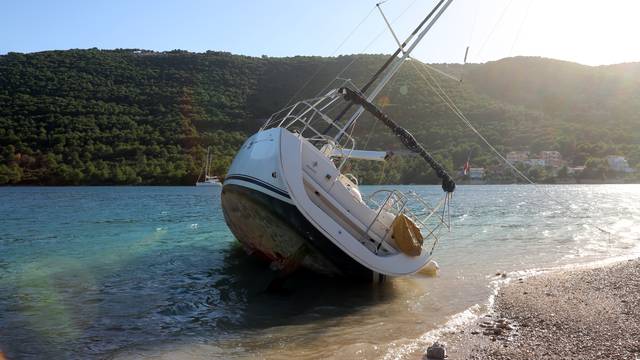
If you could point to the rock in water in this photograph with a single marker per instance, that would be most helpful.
(436, 351)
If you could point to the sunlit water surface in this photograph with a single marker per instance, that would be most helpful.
(153, 272)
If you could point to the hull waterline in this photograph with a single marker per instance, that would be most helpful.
(275, 230)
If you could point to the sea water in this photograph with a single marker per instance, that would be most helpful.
(153, 272)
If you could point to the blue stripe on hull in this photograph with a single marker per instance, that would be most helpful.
(258, 182)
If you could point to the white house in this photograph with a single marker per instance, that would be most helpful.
(536, 162)
(619, 164)
(517, 156)
(476, 173)
(552, 158)
(575, 170)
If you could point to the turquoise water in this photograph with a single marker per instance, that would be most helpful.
(138, 272)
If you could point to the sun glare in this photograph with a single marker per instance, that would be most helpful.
(586, 32)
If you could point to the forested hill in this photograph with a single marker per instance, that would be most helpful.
(141, 117)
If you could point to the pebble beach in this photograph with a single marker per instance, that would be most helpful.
(578, 314)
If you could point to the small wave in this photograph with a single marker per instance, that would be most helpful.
(408, 347)
(114, 221)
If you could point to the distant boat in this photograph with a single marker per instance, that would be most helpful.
(209, 180)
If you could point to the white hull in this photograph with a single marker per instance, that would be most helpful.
(286, 200)
(287, 168)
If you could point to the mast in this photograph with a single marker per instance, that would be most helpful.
(392, 65)
(206, 166)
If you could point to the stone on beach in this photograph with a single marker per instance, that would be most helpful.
(436, 351)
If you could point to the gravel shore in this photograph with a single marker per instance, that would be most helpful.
(580, 314)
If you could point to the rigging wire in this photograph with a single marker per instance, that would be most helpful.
(493, 29)
(524, 19)
(375, 122)
(386, 21)
(382, 173)
(442, 94)
(469, 42)
(332, 54)
(373, 129)
(475, 20)
(356, 58)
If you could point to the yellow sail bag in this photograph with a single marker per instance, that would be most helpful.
(407, 235)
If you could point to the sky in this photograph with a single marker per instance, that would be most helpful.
(585, 31)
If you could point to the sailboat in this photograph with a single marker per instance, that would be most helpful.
(208, 179)
(288, 199)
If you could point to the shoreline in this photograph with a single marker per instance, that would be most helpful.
(364, 184)
(580, 313)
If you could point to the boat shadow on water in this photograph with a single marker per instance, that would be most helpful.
(304, 295)
(166, 300)
(228, 305)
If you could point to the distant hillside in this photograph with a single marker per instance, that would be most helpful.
(141, 117)
(594, 111)
(559, 87)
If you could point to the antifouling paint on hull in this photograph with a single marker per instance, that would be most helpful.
(276, 231)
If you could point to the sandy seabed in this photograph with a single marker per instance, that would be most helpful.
(574, 314)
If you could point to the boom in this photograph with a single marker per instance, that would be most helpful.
(405, 136)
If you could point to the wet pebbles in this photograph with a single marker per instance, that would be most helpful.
(582, 314)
